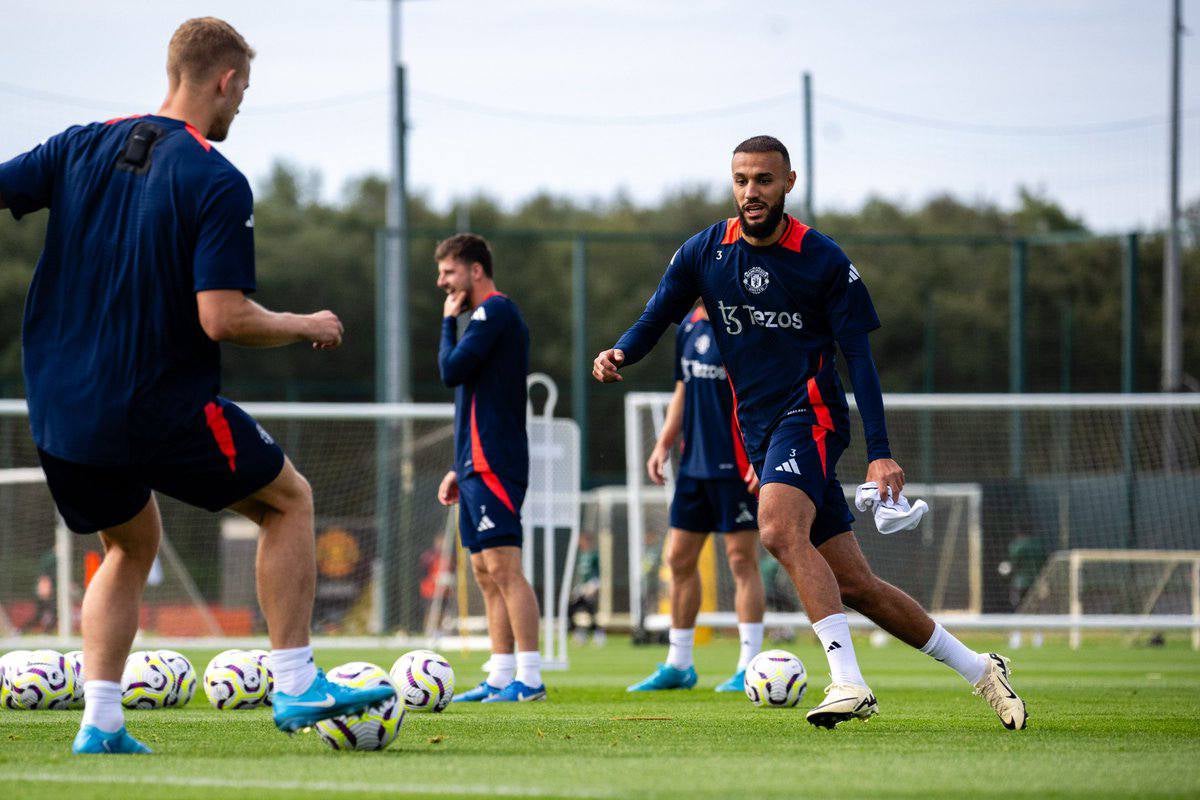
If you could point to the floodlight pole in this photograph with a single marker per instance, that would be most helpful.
(397, 372)
(809, 216)
(1172, 340)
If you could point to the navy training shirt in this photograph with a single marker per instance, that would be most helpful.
(777, 313)
(487, 369)
(114, 356)
(712, 443)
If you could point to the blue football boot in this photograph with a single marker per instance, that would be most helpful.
(324, 700)
(735, 684)
(92, 740)
(481, 692)
(517, 692)
(666, 677)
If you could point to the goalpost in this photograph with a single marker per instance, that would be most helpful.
(385, 575)
(1055, 512)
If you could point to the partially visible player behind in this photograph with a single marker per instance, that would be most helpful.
(711, 494)
(148, 259)
(786, 300)
(487, 368)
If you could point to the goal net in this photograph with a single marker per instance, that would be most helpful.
(389, 568)
(1046, 511)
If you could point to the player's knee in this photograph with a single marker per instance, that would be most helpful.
(682, 564)
(741, 563)
(782, 540)
(857, 588)
(483, 577)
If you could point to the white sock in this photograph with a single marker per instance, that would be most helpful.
(751, 634)
(502, 667)
(529, 668)
(293, 669)
(102, 706)
(834, 633)
(679, 654)
(943, 647)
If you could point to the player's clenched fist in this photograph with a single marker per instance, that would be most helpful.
(448, 491)
(604, 368)
(325, 330)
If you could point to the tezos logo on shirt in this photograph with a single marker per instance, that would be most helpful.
(756, 280)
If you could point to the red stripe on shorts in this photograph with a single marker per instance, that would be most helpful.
(824, 418)
(214, 415)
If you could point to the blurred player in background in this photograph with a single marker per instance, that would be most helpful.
(487, 368)
(711, 494)
(148, 259)
(786, 298)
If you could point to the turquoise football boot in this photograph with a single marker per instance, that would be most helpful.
(666, 677)
(480, 693)
(91, 740)
(517, 692)
(324, 700)
(735, 684)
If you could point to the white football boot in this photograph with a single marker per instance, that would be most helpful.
(843, 701)
(994, 686)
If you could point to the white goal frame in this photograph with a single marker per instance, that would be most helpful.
(1074, 622)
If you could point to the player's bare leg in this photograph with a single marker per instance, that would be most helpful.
(682, 554)
(896, 612)
(286, 565)
(109, 618)
(502, 664)
(749, 599)
(785, 518)
(503, 565)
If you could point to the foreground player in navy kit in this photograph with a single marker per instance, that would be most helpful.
(487, 369)
(148, 259)
(711, 494)
(784, 295)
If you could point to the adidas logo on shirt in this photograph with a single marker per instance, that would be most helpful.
(485, 524)
(853, 274)
(480, 315)
(789, 466)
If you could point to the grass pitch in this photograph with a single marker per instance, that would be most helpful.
(1110, 720)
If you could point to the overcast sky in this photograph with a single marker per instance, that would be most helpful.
(588, 98)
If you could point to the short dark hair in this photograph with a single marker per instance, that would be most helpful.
(469, 248)
(764, 144)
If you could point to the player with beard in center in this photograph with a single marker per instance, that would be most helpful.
(785, 299)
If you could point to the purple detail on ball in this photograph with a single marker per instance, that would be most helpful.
(441, 686)
(340, 722)
(780, 659)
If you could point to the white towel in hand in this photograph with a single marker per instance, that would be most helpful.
(892, 515)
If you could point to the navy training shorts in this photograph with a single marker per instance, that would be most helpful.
(489, 511)
(805, 456)
(720, 505)
(220, 457)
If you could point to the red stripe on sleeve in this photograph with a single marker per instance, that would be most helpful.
(122, 119)
(197, 136)
(214, 415)
(479, 459)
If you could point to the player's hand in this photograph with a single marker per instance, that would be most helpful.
(456, 303)
(448, 491)
(751, 479)
(604, 368)
(325, 330)
(886, 474)
(657, 463)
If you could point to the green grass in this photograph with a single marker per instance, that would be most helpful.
(1109, 720)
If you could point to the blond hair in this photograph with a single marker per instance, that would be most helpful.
(201, 46)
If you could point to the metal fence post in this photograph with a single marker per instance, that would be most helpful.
(579, 380)
(1018, 269)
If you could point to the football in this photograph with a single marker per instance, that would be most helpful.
(424, 680)
(147, 681)
(9, 662)
(75, 659)
(184, 686)
(263, 658)
(235, 679)
(775, 679)
(43, 679)
(373, 729)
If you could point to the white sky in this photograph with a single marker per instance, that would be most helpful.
(569, 78)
